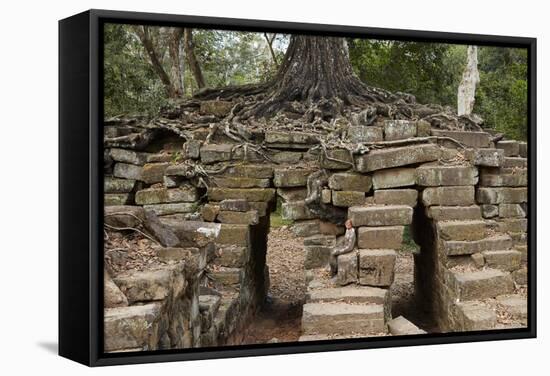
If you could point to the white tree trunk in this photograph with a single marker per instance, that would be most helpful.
(467, 87)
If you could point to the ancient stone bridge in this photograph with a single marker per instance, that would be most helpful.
(208, 203)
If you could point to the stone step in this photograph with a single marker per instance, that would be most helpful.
(475, 315)
(401, 326)
(491, 243)
(515, 305)
(380, 215)
(451, 213)
(482, 284)
(349, 294)
(508, 260)
(343, 319)
(461, 230)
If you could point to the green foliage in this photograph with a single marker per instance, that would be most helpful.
(422, 69)
(502, 95)
(131, 85)
(408, 243)
(276, 219)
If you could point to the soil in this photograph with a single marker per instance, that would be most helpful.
(280, 318)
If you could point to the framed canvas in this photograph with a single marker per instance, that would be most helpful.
(239, 187)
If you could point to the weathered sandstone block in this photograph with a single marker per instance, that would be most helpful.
(387, 237)
(448, 196)
(461, 230)
(249, 194)
(450, 213)
(344, 181)
(501, 195)
(166, 195)
(376, 267)
(347, 198)
(399, 129)
(390, 215)
(393, 178)
(434, 176)
(291, 178)
(396, 157)
(406, 197)
(347, 269)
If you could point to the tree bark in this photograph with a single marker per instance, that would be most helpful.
(467, 88)
(192, 59)
(144, 35)
(174, 51)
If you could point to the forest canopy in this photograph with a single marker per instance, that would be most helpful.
(145, 68)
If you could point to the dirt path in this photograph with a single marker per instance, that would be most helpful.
(280, 318)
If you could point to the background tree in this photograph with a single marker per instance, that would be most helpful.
(470, 80)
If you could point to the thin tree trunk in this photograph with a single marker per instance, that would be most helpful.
(270, 45)
(174, 51)
(144, 35)
(467, 88)
(194, 65)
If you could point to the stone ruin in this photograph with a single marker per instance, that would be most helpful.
(207, 201)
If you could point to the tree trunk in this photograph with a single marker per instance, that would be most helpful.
(192, 59)
(144, 35)
(318, 69)
(467, 88)
(270, 45)
(174, 51)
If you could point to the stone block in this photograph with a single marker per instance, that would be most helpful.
(153, 172)
(483, 284)
(237, 204)
(400, 326)
(291, 178)
(234, 234)
(116, 185)
(489, 211)
(173, 208)
(292, 194)
(159, 230)
(127, 171)
(166, 195)
(514, 162)
(326, 196)
(224, 276)
(475, 316)
(386, 215)
(516, 179)
(448, 196)
(321, 239)
(376, 267)
(511, 211)
(434, 176)
(394, 178)
(232, 256)
(123, 215)
(520, 276)
(112, 296)
(365, 134)
(352, 294)
(399, 129)
(192, 149)
(248, 194)
(212, 153)
(342, 318)
(209, 212)
(286, 157)
(230, 182)
(336, 159)
(406, 197)
(177, 253)
(461, 230)
(131, 327)
(423, 128)
(451, 213)
(345, 181)
(291, 138)
(306, 227)
(512, 225)
(347, 269)
(148, 285)
(501, 195)
(296, 210)
(129, 156)
(508, 260)
(116, 199)
(491, 243)
(387, 237)
(245, 218)
(347, 198)
(250, 171)
(510, 147)
(466, 138)
(216, 107)
(316, 256)
(329, 228)
(396, 157)
(488, 157)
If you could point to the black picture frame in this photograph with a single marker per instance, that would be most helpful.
(81, 187)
